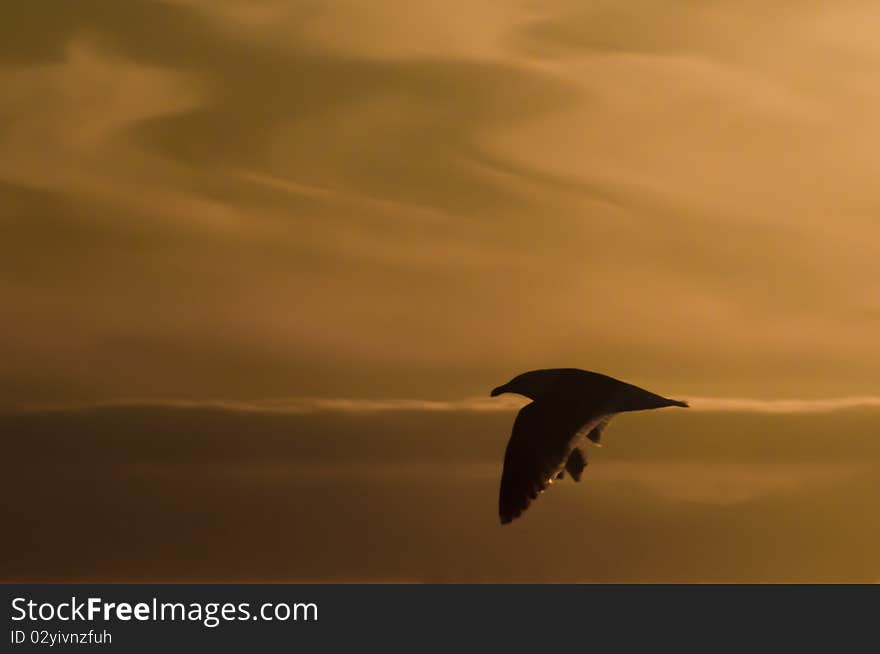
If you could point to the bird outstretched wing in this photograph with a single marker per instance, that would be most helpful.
(539, 448)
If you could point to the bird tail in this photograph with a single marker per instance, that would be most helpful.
(638, 399)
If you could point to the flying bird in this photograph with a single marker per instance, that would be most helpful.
(568, 405)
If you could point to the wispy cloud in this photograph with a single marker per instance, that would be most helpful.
(722, 483)
(704, 482)
(303, 405)
(752, 405)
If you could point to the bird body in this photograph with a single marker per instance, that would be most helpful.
(568, 405)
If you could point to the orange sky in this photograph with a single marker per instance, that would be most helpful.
(238, 200)
(239, 204)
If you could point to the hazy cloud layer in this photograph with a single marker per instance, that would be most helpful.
(473, 404)
(206, 495)
(242, 199)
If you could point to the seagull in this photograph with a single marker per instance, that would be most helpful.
(567, 405)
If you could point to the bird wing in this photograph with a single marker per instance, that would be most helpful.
(542, 439)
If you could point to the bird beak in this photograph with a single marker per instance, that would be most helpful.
(498, 391)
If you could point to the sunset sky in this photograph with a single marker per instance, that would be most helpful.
(240, 234)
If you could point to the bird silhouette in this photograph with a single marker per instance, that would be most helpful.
(567, 406)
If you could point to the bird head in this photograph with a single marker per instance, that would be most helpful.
(532, 384)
